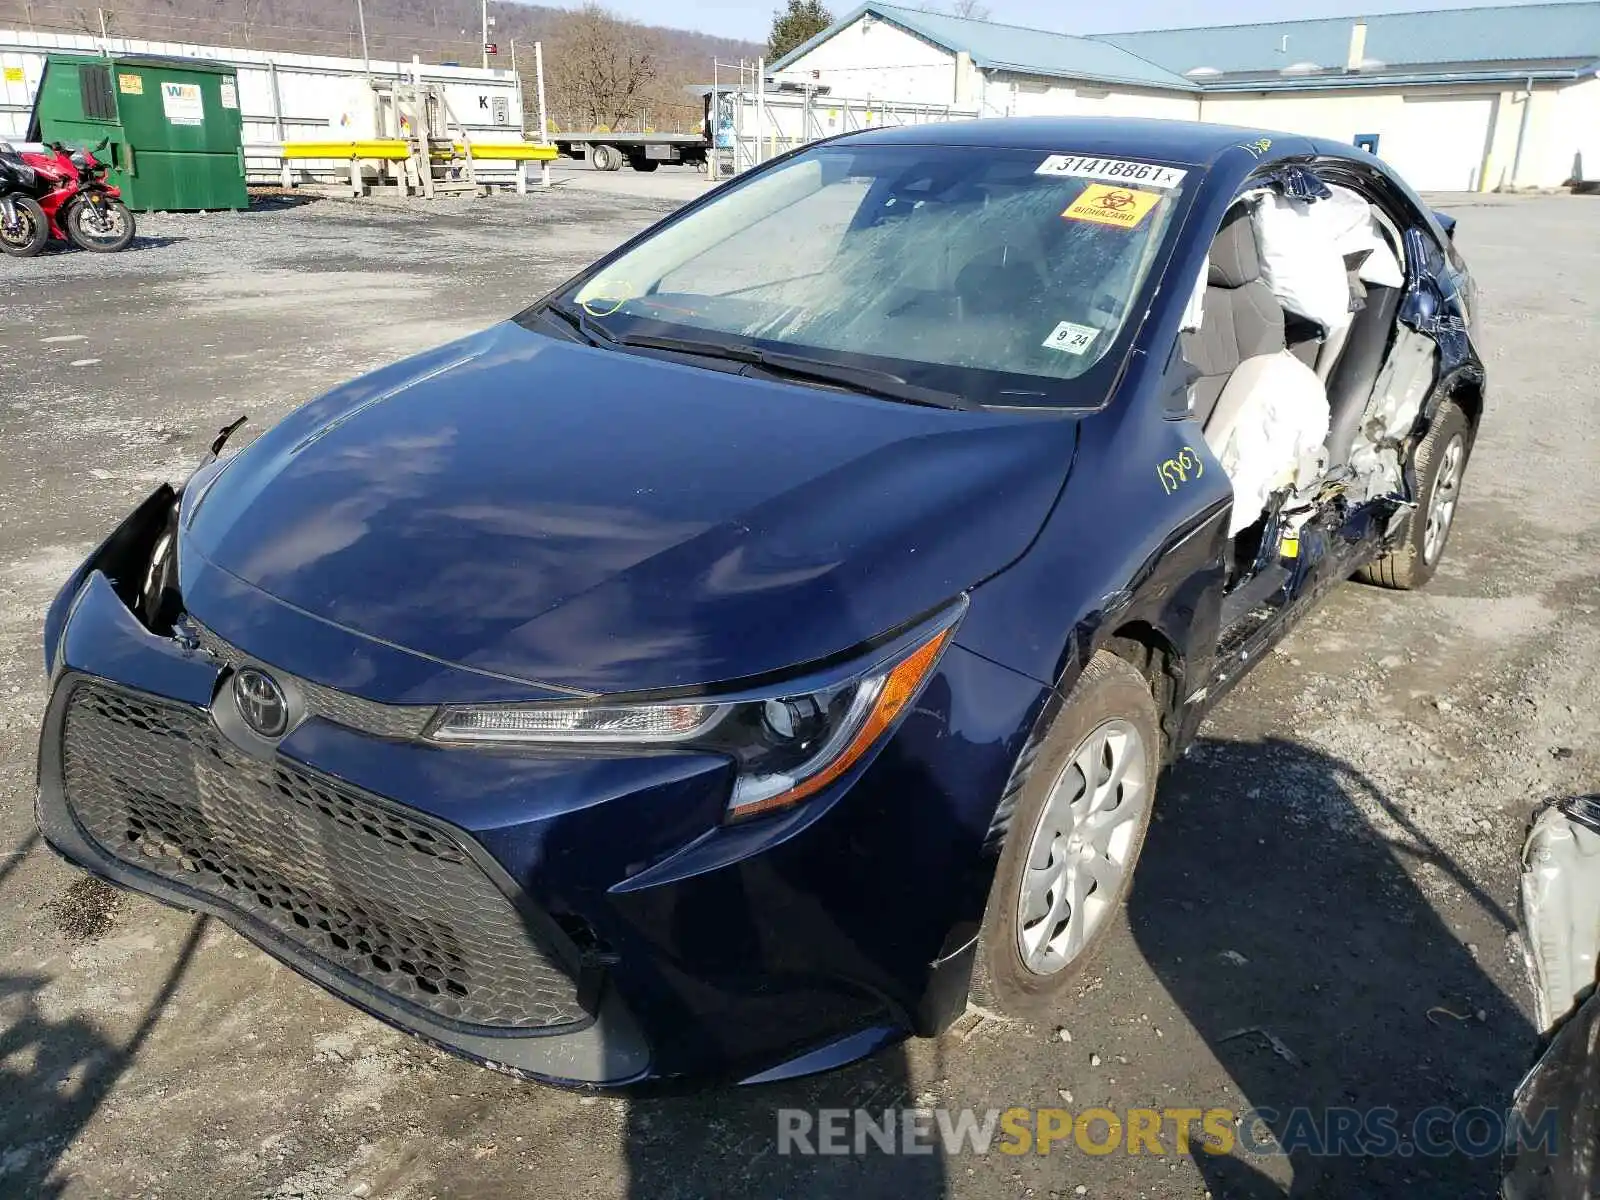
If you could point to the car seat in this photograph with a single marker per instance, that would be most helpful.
(1350, 383)
(1263, 411)
(1240, 318)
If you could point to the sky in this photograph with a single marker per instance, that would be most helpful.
(751, 19)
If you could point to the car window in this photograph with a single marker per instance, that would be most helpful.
(764, 255)
(966, 269)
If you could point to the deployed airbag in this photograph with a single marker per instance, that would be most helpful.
(1303, 244)
(1268, 430)
(1299, 260)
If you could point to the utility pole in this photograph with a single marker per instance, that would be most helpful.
(544, 126)
(105, 36)
(485, 39)
(366, 63)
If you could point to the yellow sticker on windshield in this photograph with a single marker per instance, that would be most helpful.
(1106, 204)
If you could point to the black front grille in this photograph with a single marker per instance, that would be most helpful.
(347, 876)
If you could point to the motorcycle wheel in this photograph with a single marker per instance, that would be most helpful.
(32, 233)
(102, 234)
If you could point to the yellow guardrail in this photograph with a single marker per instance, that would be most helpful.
(510, 151)
(395, 150)
(392, 149)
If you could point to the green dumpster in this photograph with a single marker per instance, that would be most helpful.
(176, 137)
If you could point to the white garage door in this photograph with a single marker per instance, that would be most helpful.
(1438, 145)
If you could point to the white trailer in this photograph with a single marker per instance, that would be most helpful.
(755, 122)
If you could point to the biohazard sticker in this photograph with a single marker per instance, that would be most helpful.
(1070, 338)
(1107, 205)
(1117, 170)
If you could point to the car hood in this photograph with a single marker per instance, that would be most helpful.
(598, 520)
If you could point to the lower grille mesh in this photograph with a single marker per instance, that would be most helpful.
(348, 877)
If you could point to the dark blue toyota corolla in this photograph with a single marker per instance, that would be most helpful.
(773, 636)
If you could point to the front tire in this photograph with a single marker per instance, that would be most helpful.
(1438, 465)
(32, 233)
(101, 233)
(1079, 825)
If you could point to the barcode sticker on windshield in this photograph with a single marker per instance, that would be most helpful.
(1118, 170)
(1070, 338)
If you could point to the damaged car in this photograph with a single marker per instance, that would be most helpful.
(774, 636)
(1556, 1155)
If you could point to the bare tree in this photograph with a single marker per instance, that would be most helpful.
(971, 9)
(250, 12)
(96, 20)
(600, 68)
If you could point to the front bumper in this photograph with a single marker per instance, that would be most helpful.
(580, 921)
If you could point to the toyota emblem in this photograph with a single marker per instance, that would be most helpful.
(261, 703)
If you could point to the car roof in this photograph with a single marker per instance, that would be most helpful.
(1112, 137)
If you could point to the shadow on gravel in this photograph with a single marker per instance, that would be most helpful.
(271, 199)
(1352, 993)
(55, 1072)
(724, 1142)
(140, 242)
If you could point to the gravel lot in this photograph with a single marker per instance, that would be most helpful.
(1335, 864)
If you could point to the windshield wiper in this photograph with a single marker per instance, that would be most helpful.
(794, 366)
(859, 379)
(588, 330)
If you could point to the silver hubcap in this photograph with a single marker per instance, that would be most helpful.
(1442, 503)
(106, 226)
(1082, 847)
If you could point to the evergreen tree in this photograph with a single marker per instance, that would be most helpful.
(800, 21)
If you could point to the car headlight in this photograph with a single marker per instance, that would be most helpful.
(788, 745)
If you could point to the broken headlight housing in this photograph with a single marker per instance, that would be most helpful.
(788, 744)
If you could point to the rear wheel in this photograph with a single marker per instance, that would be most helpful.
(1439, 463)
(31, 232)
(606, 158)
(102, 229)
(645, 164)
(1079, 825)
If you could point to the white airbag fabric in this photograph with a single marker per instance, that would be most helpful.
(1350, 224)
(1300, 261)
(1302, 245)
(1268, 430)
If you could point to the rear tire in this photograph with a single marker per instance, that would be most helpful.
(1439, 462)
(645, 164)
(1073, 842)
(32, 233)
(605, 158)
(86, 232)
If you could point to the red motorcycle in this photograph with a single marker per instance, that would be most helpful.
(79, 204)
(24, 229)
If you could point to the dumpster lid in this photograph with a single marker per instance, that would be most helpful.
(169, 62)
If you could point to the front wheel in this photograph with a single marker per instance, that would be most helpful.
(1438, 464)
(29, 233)
(103, 229)
(1081, 815)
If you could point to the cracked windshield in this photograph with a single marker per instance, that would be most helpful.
(1000, 275)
